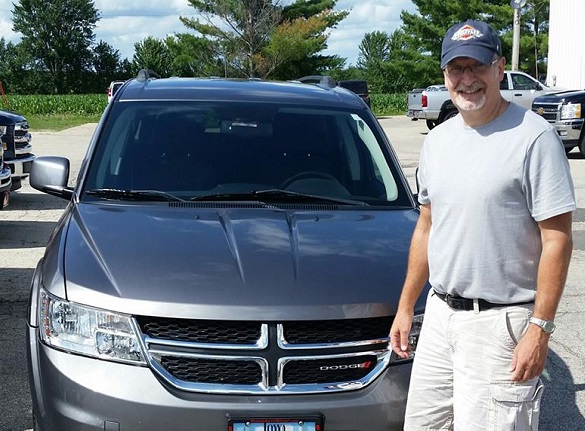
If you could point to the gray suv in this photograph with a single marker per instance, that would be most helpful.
(230, 259)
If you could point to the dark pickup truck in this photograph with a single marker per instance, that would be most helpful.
(17, 147)
(565, 111)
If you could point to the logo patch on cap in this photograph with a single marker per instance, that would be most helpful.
(466, 32)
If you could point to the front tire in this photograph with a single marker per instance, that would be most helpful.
(450, 115)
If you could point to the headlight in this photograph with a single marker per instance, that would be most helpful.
(412, 339)
(571, 111)
(88, 331)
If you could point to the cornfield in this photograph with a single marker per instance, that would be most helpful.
(68, 104)
(94, 104)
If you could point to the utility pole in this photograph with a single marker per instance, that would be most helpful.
(516, 5)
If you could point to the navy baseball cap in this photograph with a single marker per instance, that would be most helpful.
(474, 39)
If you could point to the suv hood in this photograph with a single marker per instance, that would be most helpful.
(559, 97)
(233, 262)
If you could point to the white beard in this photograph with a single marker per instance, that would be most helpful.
(465, 104)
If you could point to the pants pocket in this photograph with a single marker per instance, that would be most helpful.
(515, 406)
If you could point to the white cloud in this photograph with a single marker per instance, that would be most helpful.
(126, 22)
(365, 16)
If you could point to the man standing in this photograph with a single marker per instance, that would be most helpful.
(494, 241)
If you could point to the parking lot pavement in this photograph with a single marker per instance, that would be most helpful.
(28, 222)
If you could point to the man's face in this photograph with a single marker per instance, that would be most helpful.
(473, 85)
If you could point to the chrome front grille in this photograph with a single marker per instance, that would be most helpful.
(256, 357)
(549, 111)
(197, 331)
(214, 371)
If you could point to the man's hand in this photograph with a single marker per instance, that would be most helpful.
(530, 354)
(399, 333)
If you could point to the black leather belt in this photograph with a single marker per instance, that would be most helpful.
(466, 304)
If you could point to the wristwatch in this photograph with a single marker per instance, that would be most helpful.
(547, 326)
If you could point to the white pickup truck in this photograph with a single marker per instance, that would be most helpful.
(435, 106)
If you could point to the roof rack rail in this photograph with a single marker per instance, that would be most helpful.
(146, 74)
(319, 79)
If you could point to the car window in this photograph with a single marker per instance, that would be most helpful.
(523, 82)
(191, 149)
(504, 83)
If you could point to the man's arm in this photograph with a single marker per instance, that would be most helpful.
(557, 245)
(416, 276)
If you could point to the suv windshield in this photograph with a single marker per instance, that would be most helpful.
(192, 150)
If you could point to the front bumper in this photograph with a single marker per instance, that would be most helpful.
(569, 131)
(21, 166)
(71, 392)
(5, 178)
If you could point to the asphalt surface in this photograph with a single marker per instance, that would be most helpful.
(27, 223)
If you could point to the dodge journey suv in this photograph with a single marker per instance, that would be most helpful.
(230, 259)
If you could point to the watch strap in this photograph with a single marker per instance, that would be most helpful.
(547, 326)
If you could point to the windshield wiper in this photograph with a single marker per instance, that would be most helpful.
(134, 195)
(277, 195)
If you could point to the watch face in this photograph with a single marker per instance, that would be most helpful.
(548, 326)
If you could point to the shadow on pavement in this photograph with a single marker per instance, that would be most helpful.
(25, 234)
(15, 408)
(559, 410)
(23, 201)
(14, 286)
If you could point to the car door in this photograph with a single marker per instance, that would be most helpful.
(520, 88)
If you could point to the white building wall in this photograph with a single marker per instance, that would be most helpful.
(566, 53)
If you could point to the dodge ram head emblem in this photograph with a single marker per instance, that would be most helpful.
(540, 111)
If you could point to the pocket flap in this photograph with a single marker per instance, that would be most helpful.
(514, 392)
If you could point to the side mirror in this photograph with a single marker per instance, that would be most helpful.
(50, 174)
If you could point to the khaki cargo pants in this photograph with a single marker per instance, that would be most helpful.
(461, 378)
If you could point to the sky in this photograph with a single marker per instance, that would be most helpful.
(126, 22)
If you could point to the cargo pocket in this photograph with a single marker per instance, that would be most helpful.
(514, 406)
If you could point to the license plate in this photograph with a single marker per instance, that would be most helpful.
(274, 424)
(414, 114)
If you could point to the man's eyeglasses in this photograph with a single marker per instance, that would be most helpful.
(456, 71)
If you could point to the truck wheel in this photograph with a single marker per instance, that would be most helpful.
(431, 124)
(16, 184)
(582, 144)
(450, 115)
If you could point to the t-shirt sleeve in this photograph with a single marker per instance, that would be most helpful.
(548, 184)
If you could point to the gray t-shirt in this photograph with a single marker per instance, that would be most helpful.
(488, 187)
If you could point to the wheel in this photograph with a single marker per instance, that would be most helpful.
(431, 124)
(450, 115)
(582, 144)
(305, 175)
(16, 184)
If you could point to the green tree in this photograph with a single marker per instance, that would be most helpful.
(152, 53)
(314, 61)
(424, 30)
(17, 70)
(244, 29)
(106, 65)
(58, 34)
(260, 38)
(193, 56)
(374, 48)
